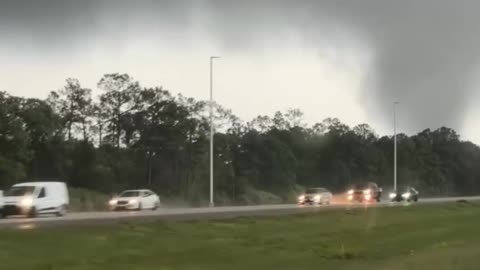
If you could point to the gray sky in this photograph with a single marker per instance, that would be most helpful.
(346, 59)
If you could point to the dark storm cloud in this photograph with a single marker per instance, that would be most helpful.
(426, 55)
(44, 22)
(68, 24)
(425, 51)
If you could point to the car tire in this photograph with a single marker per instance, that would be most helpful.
(62, 211)
(156, 206)
(139, 207)
(32, 213)
(3, 214)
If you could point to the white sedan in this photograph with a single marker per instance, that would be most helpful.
(315, 196)
(135, 200)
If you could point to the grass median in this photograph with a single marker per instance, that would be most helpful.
(415, 237)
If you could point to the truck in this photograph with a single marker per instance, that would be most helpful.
(35, 198)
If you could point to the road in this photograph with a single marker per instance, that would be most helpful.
(182, 214)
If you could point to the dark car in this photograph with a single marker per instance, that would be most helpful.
(364, 192)
(408, 194)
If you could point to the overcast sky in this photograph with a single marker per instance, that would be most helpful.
(346, 59)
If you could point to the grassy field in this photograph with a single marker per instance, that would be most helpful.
(420, 237)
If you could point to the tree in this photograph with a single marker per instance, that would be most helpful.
(295, 118)
(133, 137)
(118, 100)
(42, 126)
(14, 141)
(261, 123)
(74, 104)
(335, 127)
(365, 132)
(279, 121)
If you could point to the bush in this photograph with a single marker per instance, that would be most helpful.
(255, 196)
(87, 200)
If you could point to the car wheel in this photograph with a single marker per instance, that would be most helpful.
(3, 214)
(139, 207)
(156, 206)
(62, 211)
(415, 199)
(32, 213)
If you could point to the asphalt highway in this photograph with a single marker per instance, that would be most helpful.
(185, 214)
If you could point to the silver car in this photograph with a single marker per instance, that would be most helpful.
(315, 196)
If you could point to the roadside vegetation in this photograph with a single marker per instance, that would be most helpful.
(130, 136)
(86, 200)
(437, 237)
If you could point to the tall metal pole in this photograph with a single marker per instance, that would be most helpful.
(212, 130)
(395, 145)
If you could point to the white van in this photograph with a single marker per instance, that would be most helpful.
(36, 198)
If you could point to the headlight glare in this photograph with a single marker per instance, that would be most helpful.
(133, 201)
(27, 201)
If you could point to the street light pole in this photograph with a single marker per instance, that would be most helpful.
(212, 130)
(395, 145)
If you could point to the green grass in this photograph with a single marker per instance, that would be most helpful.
(420, 237)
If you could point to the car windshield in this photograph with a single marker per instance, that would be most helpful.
(20, 191)
(129, 194)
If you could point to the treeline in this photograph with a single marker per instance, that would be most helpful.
(130, 136)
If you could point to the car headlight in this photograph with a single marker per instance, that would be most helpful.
(350, 192)
(406, 195)
(317, 197)
(26, 202)
(392, 195)
(112, 202)
(367, 191)
(301, 197)
(133, 201)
